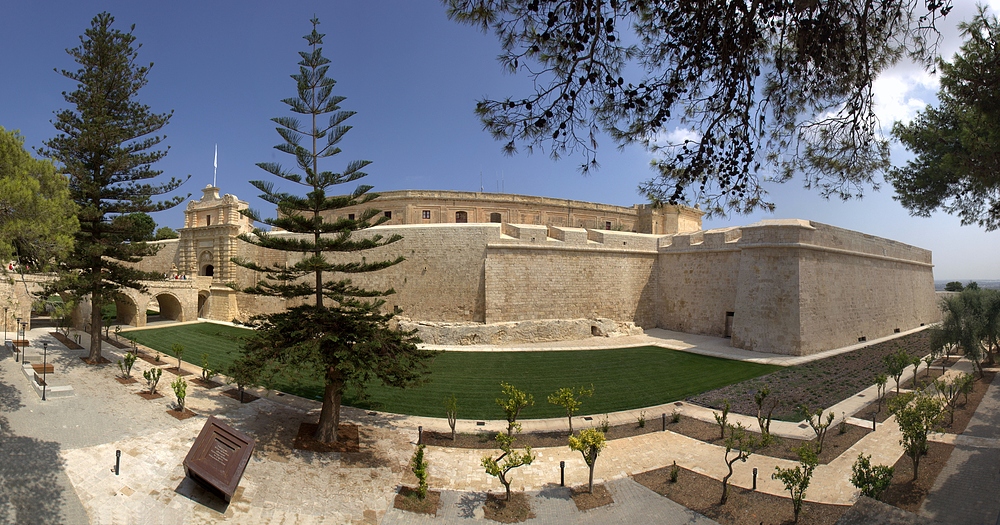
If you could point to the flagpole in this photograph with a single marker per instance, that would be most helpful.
(215, 172)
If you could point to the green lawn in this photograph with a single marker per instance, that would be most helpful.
(623, 379)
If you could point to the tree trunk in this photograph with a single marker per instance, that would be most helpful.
(96, 323)
(725, 484)
(571, 424)
(591, 483)
(329, 416)
(916, 463)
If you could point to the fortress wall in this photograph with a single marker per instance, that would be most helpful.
(766, 302)
(442, 277)
(697, 278)
(164, 259)
(572, 274)
(810, 287)
(883, 286)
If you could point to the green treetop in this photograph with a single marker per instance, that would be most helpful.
(37, 219)
(340, 333)
(107, 146)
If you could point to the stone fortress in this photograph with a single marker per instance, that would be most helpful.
(571, 269)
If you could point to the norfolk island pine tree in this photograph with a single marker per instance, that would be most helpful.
(340, 331)
(106, 148)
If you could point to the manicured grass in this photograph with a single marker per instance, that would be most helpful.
(622, 378)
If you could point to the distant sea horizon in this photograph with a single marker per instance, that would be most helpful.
(993, 284)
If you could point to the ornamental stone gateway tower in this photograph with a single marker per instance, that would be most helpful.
(207, 242)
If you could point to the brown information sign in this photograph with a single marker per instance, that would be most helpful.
(218, 457)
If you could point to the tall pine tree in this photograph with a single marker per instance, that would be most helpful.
(339, 332)
(107, 145)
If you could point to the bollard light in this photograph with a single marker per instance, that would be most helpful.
(663, 419)
(118, 461)
(562, 473)
(420, 435)
(45, 360)
(874, 414)
(755, 478)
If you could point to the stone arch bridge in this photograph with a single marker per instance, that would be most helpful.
(177, 300)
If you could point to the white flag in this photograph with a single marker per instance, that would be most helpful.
(215, 164)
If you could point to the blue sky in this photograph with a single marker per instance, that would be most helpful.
(413, 78)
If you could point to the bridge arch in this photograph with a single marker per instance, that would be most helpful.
(131, 309)
(170, 307)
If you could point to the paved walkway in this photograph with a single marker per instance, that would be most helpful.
(967, 492)
(63, 450)
(552, 505)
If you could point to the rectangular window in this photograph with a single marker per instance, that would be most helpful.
(388, 214)
(427, 214)
(350, 216)
(607, 225)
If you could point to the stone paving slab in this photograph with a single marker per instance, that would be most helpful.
(552, 505)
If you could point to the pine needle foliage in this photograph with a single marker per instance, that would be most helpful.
(107, 144)
(339, 332)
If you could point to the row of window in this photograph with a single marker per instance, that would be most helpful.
(462, 217)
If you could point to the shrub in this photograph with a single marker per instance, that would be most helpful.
(180, 390)
(570, 401)
(872, 480)
(510, 459)
(590, 443)
(419, 467)
(513, 403)
(125, 364)
(178, 351)
(820, 427)
(674, 472)
(723, 418)
(605, 425)
(642, 419)
(207, 373)
(675, 417)
(796, 480)
(152, 377)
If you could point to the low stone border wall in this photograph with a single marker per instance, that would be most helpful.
(514, 332)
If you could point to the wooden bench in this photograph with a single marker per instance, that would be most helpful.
(23, 343)
(39, 380)
(48, 368)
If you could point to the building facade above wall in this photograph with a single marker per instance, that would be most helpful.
(444, 206)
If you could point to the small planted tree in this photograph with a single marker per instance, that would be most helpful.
(880, 381)
(819, 426)
(871, 479)
(152, 377)
(928, 359)
(179, 386)
(125, 364)
(948, 389)
(722, 419)
(764, 411)
(916, 368)
(917, 415)
(796, 480)
(178, 351)
(512, 403)
(419, 467)
(966, 384)
(740, 445)
(207, 372)
(570, 401)
(895, 365)
(590, 443)
(509, 459)
(451, 410)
